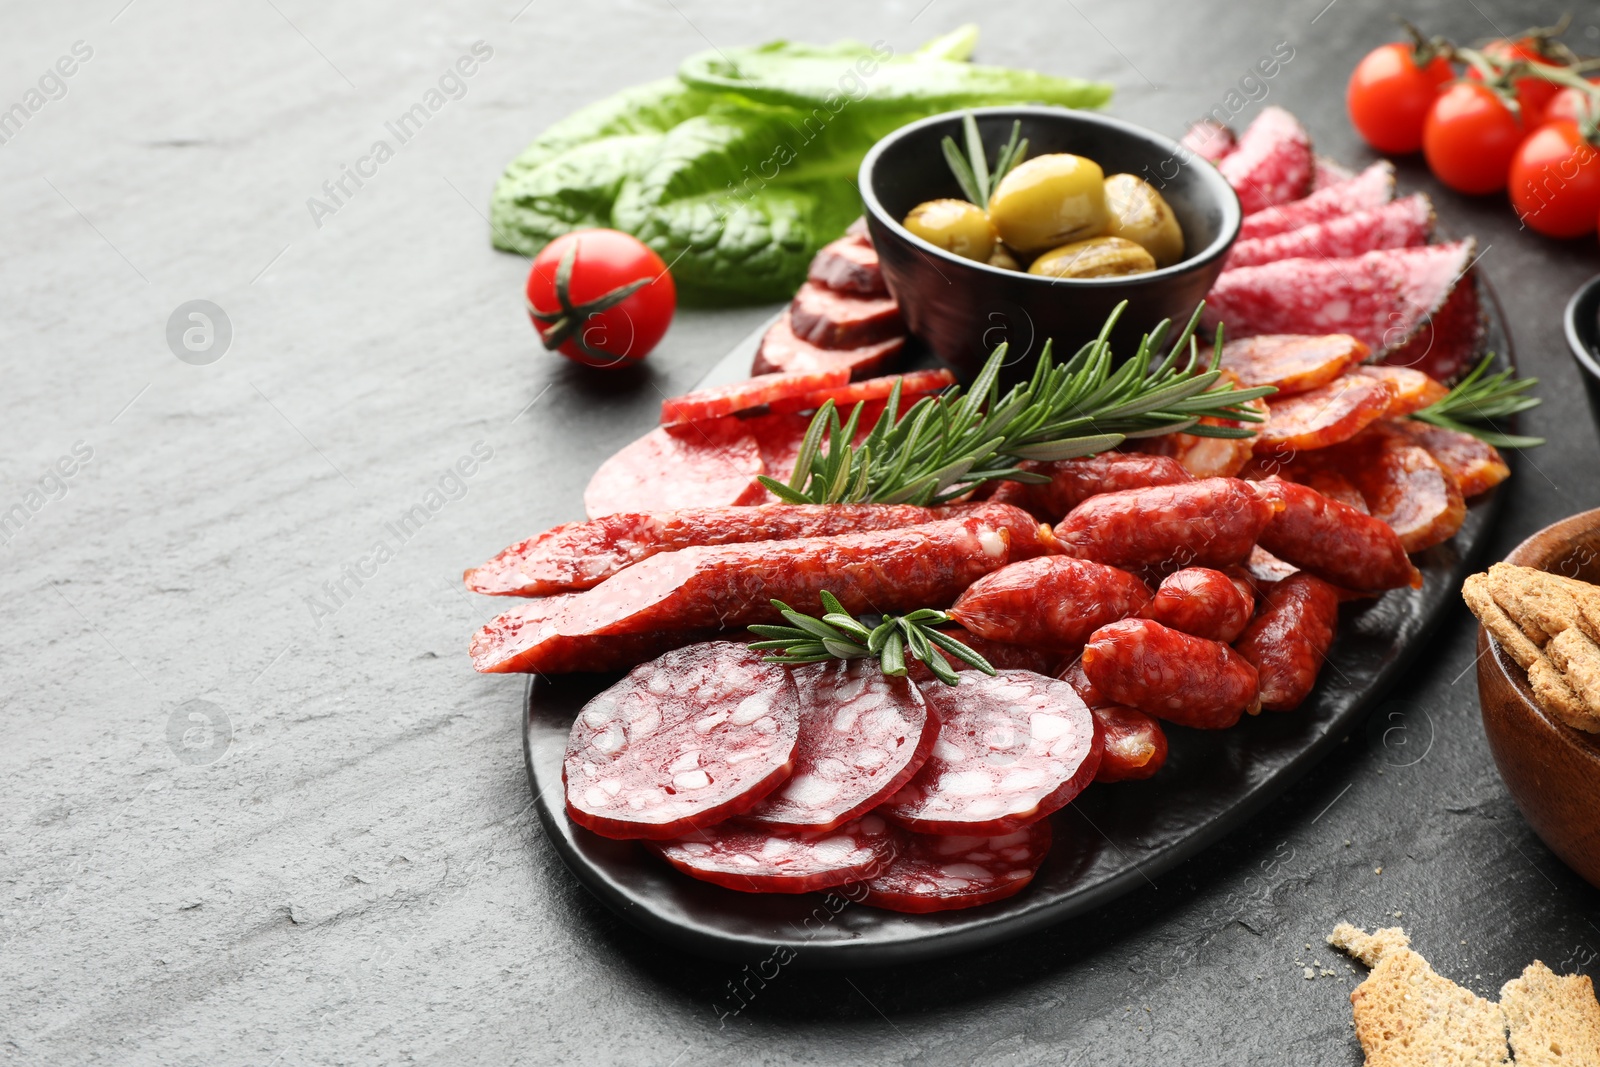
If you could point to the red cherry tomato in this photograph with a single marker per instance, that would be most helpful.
(1470, 137)
(594, 318)
(1533, 94)
(1570, 104)
(1555, 181)
(1389, 96)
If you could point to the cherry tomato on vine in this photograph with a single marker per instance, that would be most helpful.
(602, 298)
(1571, 104)
(1470, 137)
(1555, 181)
(1533, 94)
(1389, 96)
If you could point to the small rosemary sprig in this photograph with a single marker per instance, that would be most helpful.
(948, 444)
(890, 638)
(1478, 399)
(972, 171)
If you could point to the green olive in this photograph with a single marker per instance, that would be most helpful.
(1140, 214)
(1098, 257)
(1049, 201)
(955, 226)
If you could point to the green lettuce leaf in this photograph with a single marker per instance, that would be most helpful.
(741, 167)
(851, 74)
(568, 179)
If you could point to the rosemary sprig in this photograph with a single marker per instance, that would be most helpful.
(972, 171)
(948, 444)
(890, 638)
(1478, 399)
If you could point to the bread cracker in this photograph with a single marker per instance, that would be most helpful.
(1578, 659)
(1368, 948)
(1554, 1022)
(1554, 695)
(1513, 592)
(1407, 1015)
(1476, 592)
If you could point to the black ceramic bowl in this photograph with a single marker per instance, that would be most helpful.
(1583, 337)
(963, 308)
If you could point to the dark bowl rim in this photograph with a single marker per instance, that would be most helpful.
(1582, 306)
(1211, 179)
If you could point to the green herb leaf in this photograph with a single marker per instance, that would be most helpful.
(1480, 399)
(840, 635)
(947, 445)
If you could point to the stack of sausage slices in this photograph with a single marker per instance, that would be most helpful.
(1180, 582)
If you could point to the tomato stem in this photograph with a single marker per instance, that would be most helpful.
(558, 327)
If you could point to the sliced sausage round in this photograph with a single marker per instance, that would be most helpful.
(1013, 747)
(942, 873)
(758, 859)
(691, 738)
(862, 736)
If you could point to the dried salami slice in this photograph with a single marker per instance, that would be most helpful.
(761, 859)
(933, 872)
(1211, 522)
(849, 265)
(1051, 602)
(1413, 390)
(1383, 298)
(1202, 602)
(1326, 172)
(778, 438)
(1291, 362)
(494, 648)
(1403, 485)
(862, 736)
(1013, 747)
(581, 555)
(704, 405)
(1174, 676)
(781, 435)
(1289, 640)
(1371, 188)
(681, 743)
(1272, 164)
(845, 397)
(703, 465)
(782, 351)
(1207, 457)
(718, 586)
(1323, 416)
(1401, 223)
(1476, 465)
(1135, 744)
(1072, 481)
(1336, 542)
(1210, 140)
(830, 319)
(1451, 340)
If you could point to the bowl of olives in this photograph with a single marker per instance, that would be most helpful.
(1028, 224)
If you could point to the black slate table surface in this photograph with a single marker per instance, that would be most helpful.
(238, 829)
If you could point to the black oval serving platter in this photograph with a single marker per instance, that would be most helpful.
(1112, 839)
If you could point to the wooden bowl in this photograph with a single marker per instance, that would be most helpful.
(1551, 770)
